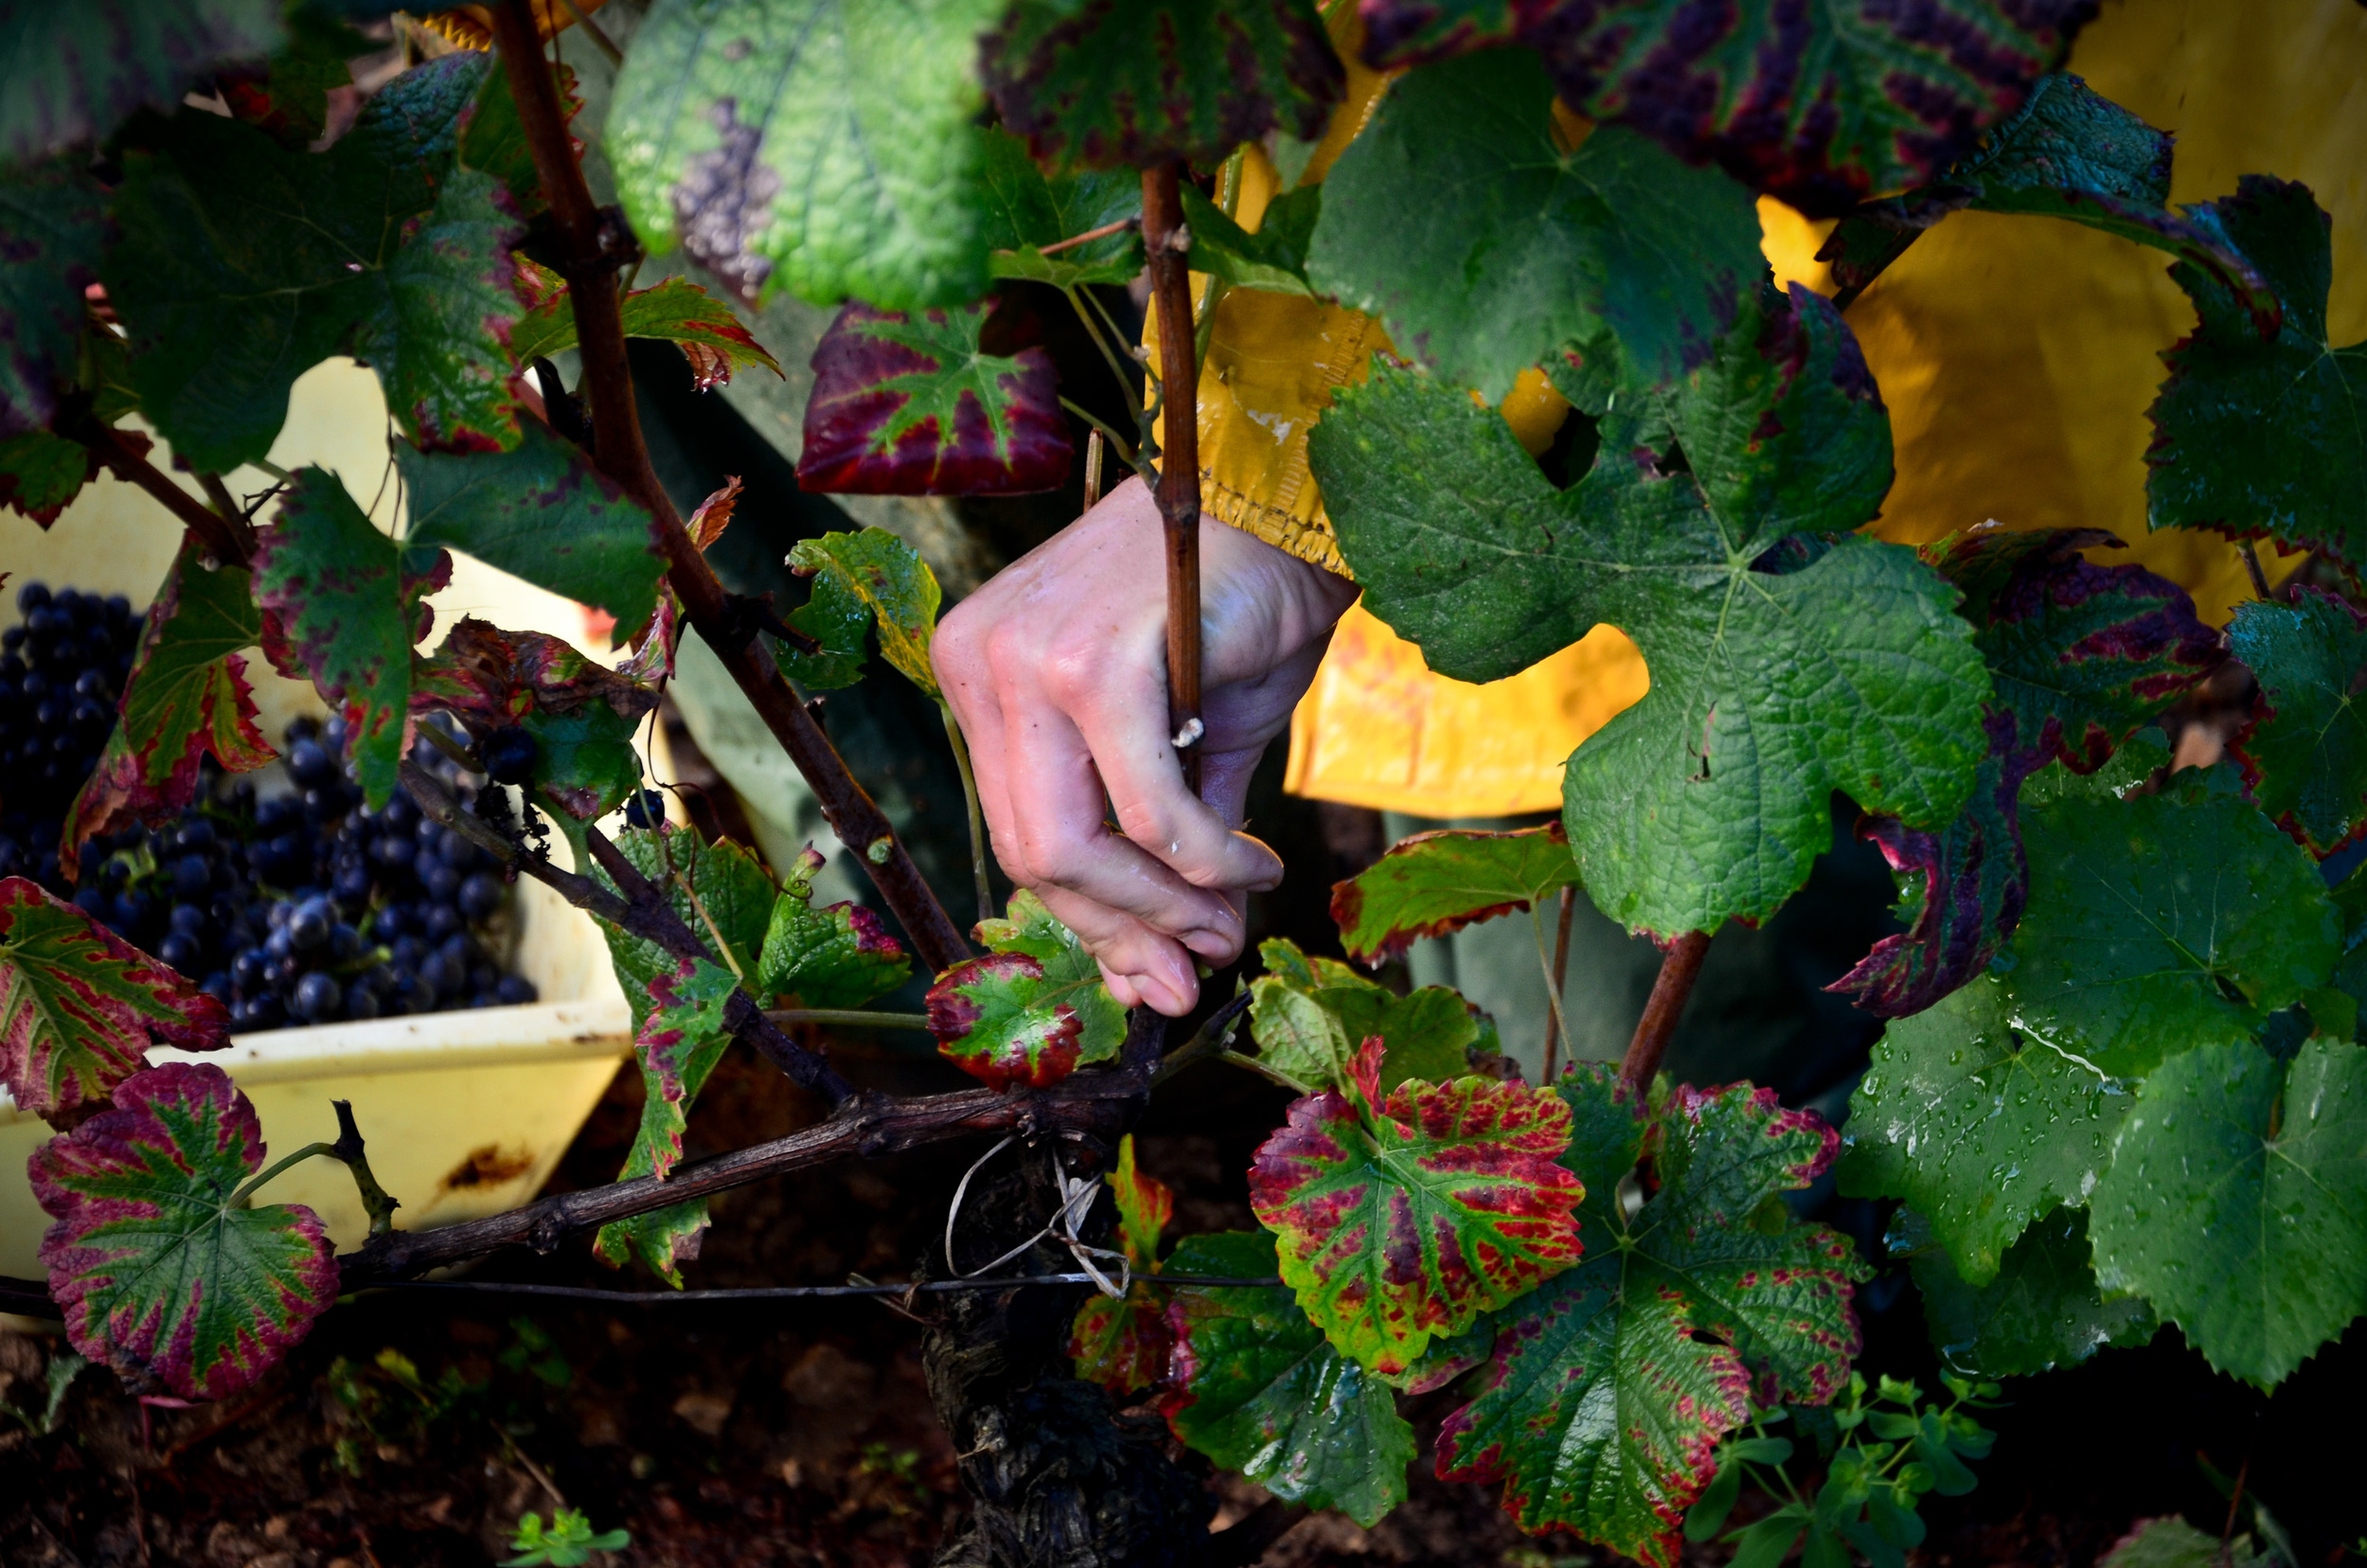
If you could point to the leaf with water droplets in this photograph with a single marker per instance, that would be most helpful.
(1980, 1118)
(2043, 1309)
(2167, 921)
(1612, 1384)
(2237, 1203)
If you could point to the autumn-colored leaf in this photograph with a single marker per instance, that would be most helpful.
(838, 956)
(1032, 1010)
(496, 677)
(677, 311)
(1122, 1343)
(78, 1005)
(1401, 1221)
(186, 698)
(1308, 1015)
(161, 1275)
(889, 582)
(914, 405)
(682, 1037)
(1436, 883)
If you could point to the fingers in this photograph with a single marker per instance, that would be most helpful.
(1141, 967)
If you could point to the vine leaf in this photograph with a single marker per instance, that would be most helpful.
(838, 956)
(2236, 1167)
(1783, 669)
(913, 405)
(1027, 209)
(1031, 1011)
(78, 70)
(1612, 1384)
(1112, 85)
(187, 697)
(496, 677)
(2067, 153)
(288, 95)
(2079, 656)
(333, 591)
(892, 584)
(54, 216)
(1436, 883)
(1258, 1388)
(1308, 1014)
(2255, 438)
(1983, 1120)
(542, 511)
(41, 474)
(1123, 1344)
(161, 1276)
(242, 264)
(1520, 245)
(2043, 1309)
(839, 620)
(2164, 922)
(1821, 105)
(737, 894)
(676, 310)
(1401, 1220)
(2305, 757)
(826, 147)
(493, 137)
(1273, 258)
(78, 1004)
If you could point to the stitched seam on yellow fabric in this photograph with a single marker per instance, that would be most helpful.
(1283, 530)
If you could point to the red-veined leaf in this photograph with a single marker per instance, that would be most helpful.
(1402, 1222)
(1612, 1384)
(187, 697)
(1031, 1011)
(160, 1276)
(1122, 1344)
(676, 310)
(1436, 883)
(914, 405)
(838, 956)
(78, 1004)
(682, 1037)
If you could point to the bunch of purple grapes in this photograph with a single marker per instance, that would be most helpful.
(61, 670)
(293, 905)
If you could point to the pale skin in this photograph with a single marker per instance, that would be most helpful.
(1056, 670)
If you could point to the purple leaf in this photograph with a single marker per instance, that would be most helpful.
(161, 1275)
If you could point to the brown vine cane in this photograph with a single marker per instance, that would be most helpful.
(1167, 242)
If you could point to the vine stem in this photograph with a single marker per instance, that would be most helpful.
(591, 251)
(2251, 568)
(977, 817)
(1678, 967)
(1166, 240)
(229, 537)
(1555, 976)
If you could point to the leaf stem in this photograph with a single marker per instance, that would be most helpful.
(590, 250)
(228, 537)
(1678, 967)
(1126, 448)
(1087, 238)
(592, 29)
(2251, 568)
(848, 1018)
(1558, 1025)
(1166, 240)
(977, 818)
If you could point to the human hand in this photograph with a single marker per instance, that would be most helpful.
(1056, 670)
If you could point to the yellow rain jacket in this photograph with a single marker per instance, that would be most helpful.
(2017, 357)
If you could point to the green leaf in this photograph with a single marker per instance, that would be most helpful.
(161, 1275)
(891, 580)
(1978, 1114)
(681, 1036)
(2237, 1203)
(1781, 669)
(1439, 881)
(914, 405)
(675, 310)
(2068, 152)
(1259, 1390)
(2253, 437)
(1030, 1012)
(2164, 922)
(1613, 1384)
(823, 147)
(733, 888)
(1309, 1015)
(1821, 105)
(2042, 1310)
(542, 511)
(76, 70)
(2306, 759)
(78, 1004)
(242, 264)
(1273, 258)
(289, 97)
(583, 762)
(1027, 209)
(1484, 245)
(39, 473)
(835, 617)
(838, 956)
(1123, 1344)
(1400, 1222)
(54, 216)
(493, 138)
(1131, 83)
(333, 593)
(186, 698)
(2171, 1542)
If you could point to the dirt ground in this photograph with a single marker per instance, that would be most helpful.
(414, 1427)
